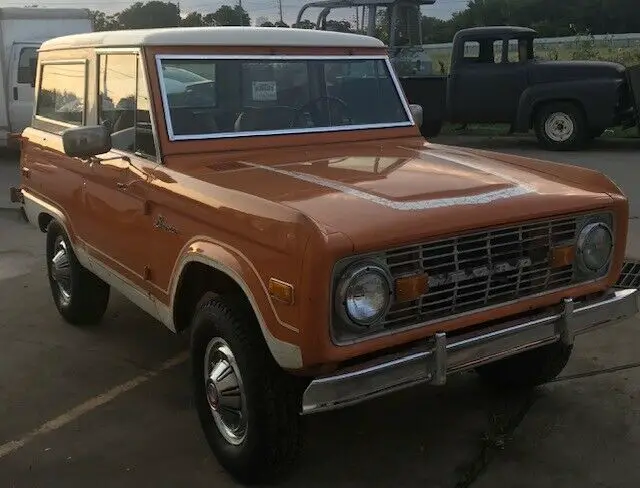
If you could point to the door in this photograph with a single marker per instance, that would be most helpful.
(21, 85)
(487, 82)
(118, 226)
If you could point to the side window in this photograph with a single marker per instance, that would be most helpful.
(26, 63)
(124, 105)
(471, 50)
(61, 96)
(497, 51)
(488, 51)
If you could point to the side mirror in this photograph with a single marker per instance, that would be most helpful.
(86, 142)
(416, 113)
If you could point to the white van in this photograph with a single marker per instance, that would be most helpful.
(22, 31)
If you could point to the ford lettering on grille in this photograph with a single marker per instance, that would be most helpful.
(478, 272)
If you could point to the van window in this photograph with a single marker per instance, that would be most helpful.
(124, 105)
(27, 55)
(61, 96)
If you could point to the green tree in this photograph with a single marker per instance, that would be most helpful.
(149, 15)
(227, 15)
(304, 24)
(102, 21)
(193, 19)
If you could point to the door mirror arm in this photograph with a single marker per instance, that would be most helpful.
(95, 159)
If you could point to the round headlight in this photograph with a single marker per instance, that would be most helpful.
(363, 294)
(595, 245)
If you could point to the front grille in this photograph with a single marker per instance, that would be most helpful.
(630, 275)
(481, 270)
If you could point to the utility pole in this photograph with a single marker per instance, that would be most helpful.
(280, 8)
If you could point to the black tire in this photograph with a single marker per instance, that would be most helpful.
(267, 449)
(596, 132)
(528, 369)
(83, 298)
(431, 128)
(570, 126)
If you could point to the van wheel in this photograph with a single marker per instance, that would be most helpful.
(249, 408)
(528, 369)
(561, 126)
(80, 296)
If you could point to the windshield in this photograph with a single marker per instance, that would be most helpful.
(278, 95)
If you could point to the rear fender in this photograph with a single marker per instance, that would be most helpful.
(598, 99)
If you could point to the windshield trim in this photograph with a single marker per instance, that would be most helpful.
(292, 131)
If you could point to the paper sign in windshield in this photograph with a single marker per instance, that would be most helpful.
(265, 91)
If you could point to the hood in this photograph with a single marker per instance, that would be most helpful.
(548, 71)
(383, 194)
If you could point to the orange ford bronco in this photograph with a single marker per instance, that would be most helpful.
(268, 191)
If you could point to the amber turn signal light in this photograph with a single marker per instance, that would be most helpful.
(412, 287)
(281, 291)
(562, 256)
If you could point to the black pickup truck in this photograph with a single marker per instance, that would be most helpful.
(495, 78)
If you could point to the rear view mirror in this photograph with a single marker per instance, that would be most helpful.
(416, 113)
(86, 142)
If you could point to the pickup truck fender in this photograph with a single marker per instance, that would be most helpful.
(598, 99)
(279, 336)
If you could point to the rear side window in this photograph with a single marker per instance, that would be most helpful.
(61, 96)
(28, 56)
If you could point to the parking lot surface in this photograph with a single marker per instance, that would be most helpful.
(111, 405)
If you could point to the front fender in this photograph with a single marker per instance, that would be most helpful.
(598, 98)
(281, 337)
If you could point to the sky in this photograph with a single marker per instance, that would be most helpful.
(257, 8)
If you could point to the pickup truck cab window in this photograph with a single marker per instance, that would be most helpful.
(277, 95)
(61, 96)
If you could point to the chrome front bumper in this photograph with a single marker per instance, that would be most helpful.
(440, 356)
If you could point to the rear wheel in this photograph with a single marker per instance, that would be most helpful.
(561, 126)
(431, 128)
(248, 406)
(596, 132)
(79, 295)
(528, 369)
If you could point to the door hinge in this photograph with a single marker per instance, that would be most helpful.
(147, 273)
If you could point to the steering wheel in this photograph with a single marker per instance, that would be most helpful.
(316, 113)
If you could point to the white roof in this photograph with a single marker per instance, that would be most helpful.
(214, 36)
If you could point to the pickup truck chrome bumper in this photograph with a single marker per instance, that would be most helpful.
(433, 360)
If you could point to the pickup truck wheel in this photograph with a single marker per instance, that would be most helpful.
(80, 296)
(528, 369)
(248, 406)
(561, 126)
(430, 129)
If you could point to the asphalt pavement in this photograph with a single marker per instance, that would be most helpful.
(110, 406)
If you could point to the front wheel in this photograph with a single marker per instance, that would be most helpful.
(528, 369)
(561, 126)
(248, 406)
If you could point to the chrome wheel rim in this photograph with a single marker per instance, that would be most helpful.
(559, 127)
(224, 391)
(61, 269)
